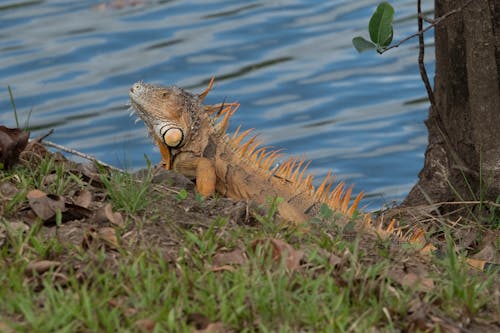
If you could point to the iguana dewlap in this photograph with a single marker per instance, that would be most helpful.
(193, 141)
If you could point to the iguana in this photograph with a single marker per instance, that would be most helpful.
(192, 140)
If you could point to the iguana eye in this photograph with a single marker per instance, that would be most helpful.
(172, 136)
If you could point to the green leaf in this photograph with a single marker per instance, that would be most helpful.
(362, 44)
(182, 195)
(380, 26)
(325, 212)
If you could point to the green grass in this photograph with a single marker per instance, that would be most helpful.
(126, 191)
(253, 297)
(99, 289)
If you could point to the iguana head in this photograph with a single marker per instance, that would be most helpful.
(167, 111)
(171, 115)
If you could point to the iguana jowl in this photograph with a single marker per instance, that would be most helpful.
(193, 141)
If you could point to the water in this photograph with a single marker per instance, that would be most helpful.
(289, 63)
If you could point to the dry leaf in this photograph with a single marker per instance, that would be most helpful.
(108, 235)
(106, 214)
(198, 320)
(8, 190)
(5, 328)
(235, 257)
(487, 253)
(40, 267)
(18, 226)
(222, 268)
(83, 198)
(12, 142)
(45, 205)
(412, 280)
(282, 250)
(334, 260)
(217, 327)
(145, 325)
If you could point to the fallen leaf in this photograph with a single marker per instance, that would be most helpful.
(8, 190)
(108, 235)
(83, 198)
(282, 250)
(412, 280)
(18, 226)
(198, 320)
(106, 214)
(487, 253)
(145, 325)
(213, 328)
(235, 257)
(75, 212)
(334, 260)
(45, 206)
(12, 142)
(222, 268)
(40, 267)
(5, 328)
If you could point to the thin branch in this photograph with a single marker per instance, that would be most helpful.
(43, 136)
(433, 23)
(421, 53)
(79, 154)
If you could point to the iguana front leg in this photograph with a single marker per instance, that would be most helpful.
(202, 168)
(165, 154)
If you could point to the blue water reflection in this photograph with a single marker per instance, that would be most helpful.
(289, 63)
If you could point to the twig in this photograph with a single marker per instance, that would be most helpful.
(43, 136)
(421, 53)
(421, 31)
(79, 154)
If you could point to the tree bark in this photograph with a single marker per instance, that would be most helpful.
(462, 160)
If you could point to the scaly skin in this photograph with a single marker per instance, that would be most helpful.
(193, 141)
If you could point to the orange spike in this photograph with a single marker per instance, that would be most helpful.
(246, 145)
(271, 159)
(354, 205)
(259, 154)
(321, 188)
(237, 140)
(417, 237)
(210, 109)
(390, 227)
(290, 169)
(368, 219)
(252, 149)
(281, 170)
(301, 175)
(207, 90)
(225, 120)
(336, 194)
(296, 170)
(235, 134)
(345, 200)
(262, 154)
(268, 159)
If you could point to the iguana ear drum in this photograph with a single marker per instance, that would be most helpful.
(172, 136)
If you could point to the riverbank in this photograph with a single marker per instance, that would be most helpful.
(84, 248)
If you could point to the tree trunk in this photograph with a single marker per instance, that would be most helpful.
(462, 160)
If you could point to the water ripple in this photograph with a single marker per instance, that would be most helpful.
(289, 63)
